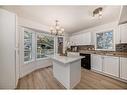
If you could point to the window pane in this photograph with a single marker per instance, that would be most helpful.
(60, 45)
(27, 46)
(105, 40)
(45, 45)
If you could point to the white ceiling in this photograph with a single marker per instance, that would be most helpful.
(72, 18)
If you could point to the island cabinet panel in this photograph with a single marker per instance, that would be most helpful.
(123, 68)
(96, 62)
(60, 72)
(68, 73)
(75, 73)
(111, 65)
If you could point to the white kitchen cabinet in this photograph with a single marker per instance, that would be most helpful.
(123, 32)
(81, 39)
(73, 40)
(123, 68)
(84, 39)
(111, 65)
(8, 52)
(96, 62)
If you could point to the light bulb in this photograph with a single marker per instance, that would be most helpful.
(100, 12)
(51, 28)
(57, 27)
(100, 16)
(59, 32)
(62, 29)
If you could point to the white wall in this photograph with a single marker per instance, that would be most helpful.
(31, 24)
(32, 66)
(36, 64)
(27, 67)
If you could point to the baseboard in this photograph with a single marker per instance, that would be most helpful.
(24, 73)
(107, 75)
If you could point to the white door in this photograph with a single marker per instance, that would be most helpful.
(7, 50)
(96, 62)
(111, 65)
(123, 32)
(123, 68)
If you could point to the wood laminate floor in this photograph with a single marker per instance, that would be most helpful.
(43, 79)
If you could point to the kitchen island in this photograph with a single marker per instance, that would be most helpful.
(67, 70)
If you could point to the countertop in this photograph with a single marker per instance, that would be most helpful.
(65, 59)
(106, 53)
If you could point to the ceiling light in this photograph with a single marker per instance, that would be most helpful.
(98, 12)
(57, 29)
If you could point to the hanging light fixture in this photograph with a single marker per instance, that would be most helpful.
(98, 12)
(57, 29)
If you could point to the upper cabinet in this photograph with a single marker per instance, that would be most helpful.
(123, 31)
(81, 39)
(123, 16)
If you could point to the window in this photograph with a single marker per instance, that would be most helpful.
(60, 45)
(45, 45)
(27, 46)
(104, 40)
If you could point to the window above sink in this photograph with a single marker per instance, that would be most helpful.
(105, 40)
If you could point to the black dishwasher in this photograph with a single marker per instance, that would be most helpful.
(86, 61)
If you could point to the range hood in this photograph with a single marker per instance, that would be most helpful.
(123, 16)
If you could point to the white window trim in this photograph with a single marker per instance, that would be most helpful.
(113, 41)
(34, 50)
(33, 45)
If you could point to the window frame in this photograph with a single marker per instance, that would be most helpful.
(33, 47)
(113, 40)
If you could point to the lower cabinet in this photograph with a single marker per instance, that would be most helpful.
(115, 66)
(96, 62)
(123, 68)
(111, 65)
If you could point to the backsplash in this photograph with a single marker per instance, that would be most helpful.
(121, 47)
(82, 47)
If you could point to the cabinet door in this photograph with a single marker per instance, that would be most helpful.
(111, 65)
(123, 68)
(123, 31)
(81, 39)
(72, 40)
(96, 62)
(7, 50)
